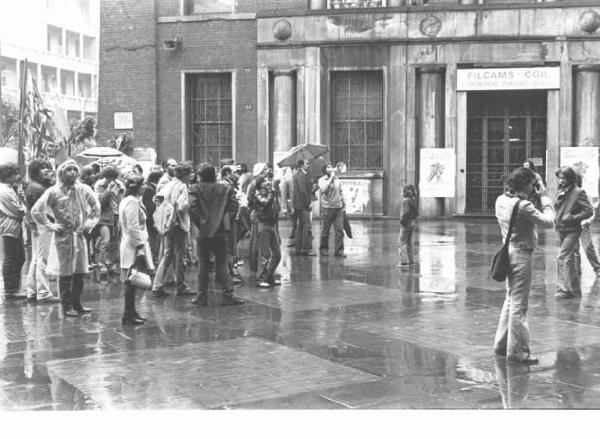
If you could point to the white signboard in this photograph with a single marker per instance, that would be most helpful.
(584, 160)
(437, 172)
(522, 78)
(123, 120)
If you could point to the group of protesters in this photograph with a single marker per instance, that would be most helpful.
(152, 228)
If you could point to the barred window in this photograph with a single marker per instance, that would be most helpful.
(210, 117)
(357, 119)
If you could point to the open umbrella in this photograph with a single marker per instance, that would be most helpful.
(308, 151)
(100, 152)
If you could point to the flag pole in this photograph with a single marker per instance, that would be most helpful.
(23, 97)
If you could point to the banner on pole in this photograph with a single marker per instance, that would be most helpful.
(437, 172)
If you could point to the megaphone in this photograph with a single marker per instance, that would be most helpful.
(341, 167)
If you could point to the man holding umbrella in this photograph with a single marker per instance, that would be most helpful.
(301, 202)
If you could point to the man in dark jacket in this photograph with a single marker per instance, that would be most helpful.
(572, 206)
(302, 204)
(210, 206)
(148, 193)
(41, 178)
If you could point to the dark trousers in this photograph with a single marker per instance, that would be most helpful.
(569, 262)
(216, 245)
(269, 252)
(303, 242)
(13, 258)
(294, 217)
(70, 289)
(333, 216)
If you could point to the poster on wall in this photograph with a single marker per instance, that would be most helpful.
(437, 172)
(584, 160)
(357, 194)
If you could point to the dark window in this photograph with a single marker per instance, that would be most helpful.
(210, 117)
(357, 119)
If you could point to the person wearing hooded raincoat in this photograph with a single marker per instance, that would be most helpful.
(75, 209)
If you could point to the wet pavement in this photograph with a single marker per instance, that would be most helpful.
(338, 333)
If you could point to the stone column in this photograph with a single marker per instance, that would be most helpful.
(587, 105)
(430, 123)
(283, 110)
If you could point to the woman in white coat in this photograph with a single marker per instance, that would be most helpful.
(135, 247)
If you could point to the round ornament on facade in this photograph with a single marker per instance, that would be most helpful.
(282, 30)
(589, 21)
(430, 26)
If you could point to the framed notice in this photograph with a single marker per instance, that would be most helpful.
(123, 120)
(584, 160)
(357, 194)
(437, 173)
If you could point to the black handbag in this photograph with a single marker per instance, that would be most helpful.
(500, 263)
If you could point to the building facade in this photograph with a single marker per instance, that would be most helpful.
(59, 39)
(448, 93)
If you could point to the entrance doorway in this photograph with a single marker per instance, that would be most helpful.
(503, 129)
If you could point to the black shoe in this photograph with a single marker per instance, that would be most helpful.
(131, 320)
(232, 301)
(201, 299)
(529, 360)
(82, 309)
(70, 313)
(159, 293)
(341, 255)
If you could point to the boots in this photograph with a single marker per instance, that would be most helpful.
(66, 299)
(201, 299)
(77, 290)
(130, 315)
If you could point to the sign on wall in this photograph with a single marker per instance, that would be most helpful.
(123, 120)
(357, 195)
(518, 78)
(437, 172)
(584, 160)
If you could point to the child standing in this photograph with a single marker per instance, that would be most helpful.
(407, 222)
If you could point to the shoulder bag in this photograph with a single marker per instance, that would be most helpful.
(500, 263)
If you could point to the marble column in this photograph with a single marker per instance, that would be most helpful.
(283, 110)
(430, 123)
(587, 105)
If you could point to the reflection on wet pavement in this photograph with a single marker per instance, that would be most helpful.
(338, 333)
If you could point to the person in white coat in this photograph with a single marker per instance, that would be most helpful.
(135, 246)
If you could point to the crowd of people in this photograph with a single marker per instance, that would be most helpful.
(152, 228)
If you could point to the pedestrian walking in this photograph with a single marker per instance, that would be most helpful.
(332, 209)
(269, 242)
(408, 223)
(41, 177)
(12, 250)
(135, 253)
(76, 210)
(572, 207)
(512, 334)
(175, 192)
(210, 206)
(302, 202)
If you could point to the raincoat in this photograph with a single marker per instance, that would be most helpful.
(132, 217)
(76, 207)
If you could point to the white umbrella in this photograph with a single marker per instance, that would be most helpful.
(100, 152)
(308, 151)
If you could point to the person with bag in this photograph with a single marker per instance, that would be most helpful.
(136, 256)
(512, 335)
(407, 226)
(175, 226)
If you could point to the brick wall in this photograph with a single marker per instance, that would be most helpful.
(208, 45)
(127, 69)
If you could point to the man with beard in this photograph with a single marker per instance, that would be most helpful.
(572, 207)
(12, 211)
(76, 210)
(169, 166)
(38, 285)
